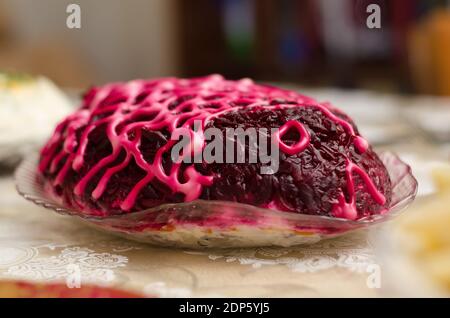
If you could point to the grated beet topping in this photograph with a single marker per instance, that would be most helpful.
(113, 155)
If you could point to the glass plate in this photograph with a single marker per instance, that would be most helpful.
(201, 224)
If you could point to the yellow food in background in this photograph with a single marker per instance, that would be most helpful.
(441, 177)
(426, 231)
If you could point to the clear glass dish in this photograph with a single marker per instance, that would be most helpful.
(203, 224)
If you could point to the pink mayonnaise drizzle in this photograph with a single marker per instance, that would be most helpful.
(229, 96)
(347, 210)
(300, 145)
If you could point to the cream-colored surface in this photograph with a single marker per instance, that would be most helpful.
(36, 244)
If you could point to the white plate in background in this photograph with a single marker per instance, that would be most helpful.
(30, 108)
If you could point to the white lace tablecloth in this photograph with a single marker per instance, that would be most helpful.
(36, 244)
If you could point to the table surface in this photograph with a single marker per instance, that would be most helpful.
(37, 244)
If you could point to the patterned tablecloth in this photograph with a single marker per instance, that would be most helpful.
(36, 244)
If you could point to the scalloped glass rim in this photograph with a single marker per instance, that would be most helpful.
(218, 223)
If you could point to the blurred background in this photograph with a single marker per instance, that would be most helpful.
(386, 78)
(314, 43)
